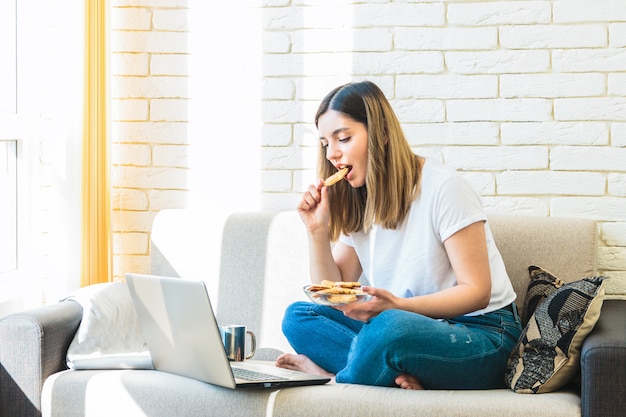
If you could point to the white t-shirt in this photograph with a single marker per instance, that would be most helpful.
(412, 260)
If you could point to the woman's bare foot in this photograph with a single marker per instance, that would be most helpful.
(406, 381)
(301, 363)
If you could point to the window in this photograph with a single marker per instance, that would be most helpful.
(8, 206)
(8, 58)
(8, 146)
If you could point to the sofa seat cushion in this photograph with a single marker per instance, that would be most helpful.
(134, 393)
(363, 400)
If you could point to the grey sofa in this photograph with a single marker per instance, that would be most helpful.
(255, 264)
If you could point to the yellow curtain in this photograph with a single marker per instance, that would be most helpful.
(96, 257)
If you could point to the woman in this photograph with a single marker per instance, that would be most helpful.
(441, 314)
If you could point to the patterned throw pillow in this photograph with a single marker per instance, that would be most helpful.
(547, 355)
(542, 284)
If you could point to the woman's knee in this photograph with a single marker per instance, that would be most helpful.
(397, 320)
(296, 309)
(390, 325)
(293, 315)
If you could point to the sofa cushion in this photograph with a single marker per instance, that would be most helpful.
(566, 246)
(141, 393)
(542, 284)
(547, 355)
(109, 325)
(137, 393)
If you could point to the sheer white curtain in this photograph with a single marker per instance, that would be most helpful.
(43, 118)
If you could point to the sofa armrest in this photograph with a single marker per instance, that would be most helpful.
(603, 364)
(33, 345)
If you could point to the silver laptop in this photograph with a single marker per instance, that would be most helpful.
(183, 337)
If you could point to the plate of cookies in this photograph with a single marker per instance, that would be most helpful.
(336, 293)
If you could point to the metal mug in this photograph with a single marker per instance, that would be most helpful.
(234, 340)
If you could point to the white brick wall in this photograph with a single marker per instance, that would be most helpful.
(149, 113)
(526, 98)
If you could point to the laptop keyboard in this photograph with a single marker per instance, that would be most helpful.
(248, 375)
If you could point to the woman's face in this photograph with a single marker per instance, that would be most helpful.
(345, 141)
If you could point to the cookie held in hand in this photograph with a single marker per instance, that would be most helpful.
(336, 177)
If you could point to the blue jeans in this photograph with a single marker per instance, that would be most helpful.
(461, 353)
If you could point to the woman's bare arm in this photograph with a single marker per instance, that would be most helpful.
(467, 251)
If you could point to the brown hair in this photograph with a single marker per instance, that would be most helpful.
(393, 170)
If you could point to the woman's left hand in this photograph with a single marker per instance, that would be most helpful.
(381, 300)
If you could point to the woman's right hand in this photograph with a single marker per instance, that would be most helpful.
(334, 263)
(313, 208)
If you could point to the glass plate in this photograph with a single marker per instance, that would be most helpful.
(335, 299)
